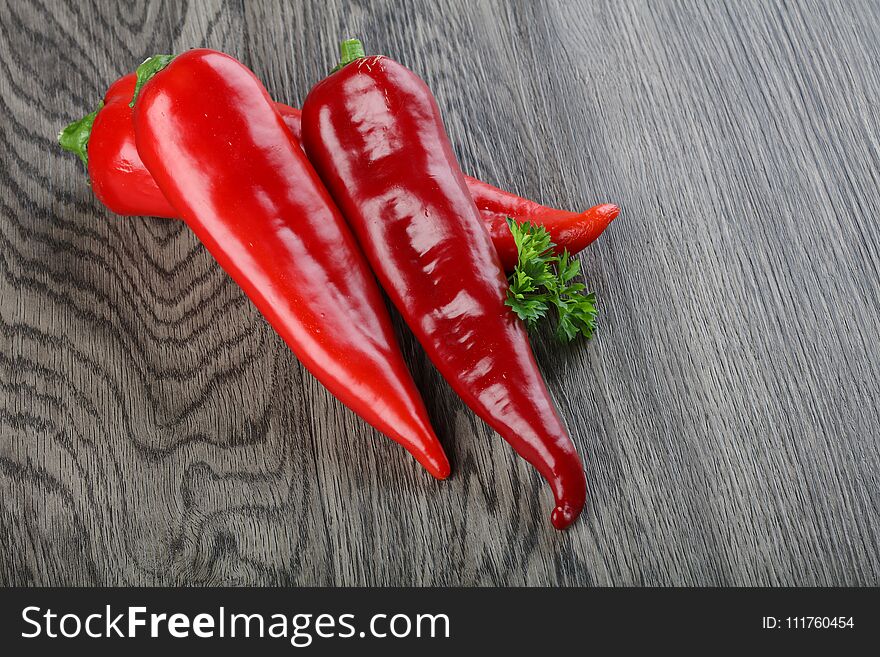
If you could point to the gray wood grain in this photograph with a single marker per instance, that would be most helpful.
(154, 430)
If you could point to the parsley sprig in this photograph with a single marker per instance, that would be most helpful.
(542, 279)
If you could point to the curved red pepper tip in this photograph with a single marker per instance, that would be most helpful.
(564, 515)
(608, 211)
(440, 470)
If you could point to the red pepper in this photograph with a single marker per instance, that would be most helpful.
(119, 178)
(569, 230)
(210, 136)
(123, 184)
(374, 134)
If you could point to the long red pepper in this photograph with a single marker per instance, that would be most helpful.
(373, 132)
(210, 136)
(122, 183)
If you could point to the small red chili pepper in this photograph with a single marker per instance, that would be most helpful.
(373, 132)
(569, 231)
(122, 183)
(210, 136)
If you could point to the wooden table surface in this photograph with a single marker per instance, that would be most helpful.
(155, 431)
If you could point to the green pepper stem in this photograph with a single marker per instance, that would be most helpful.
(350, 50)
(75, 136)
(147, 70)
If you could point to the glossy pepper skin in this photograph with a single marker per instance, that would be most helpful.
(119, 178)
(122, 183)
(210, 136)
(374, 134)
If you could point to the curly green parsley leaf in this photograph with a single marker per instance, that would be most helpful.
(542, 279)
